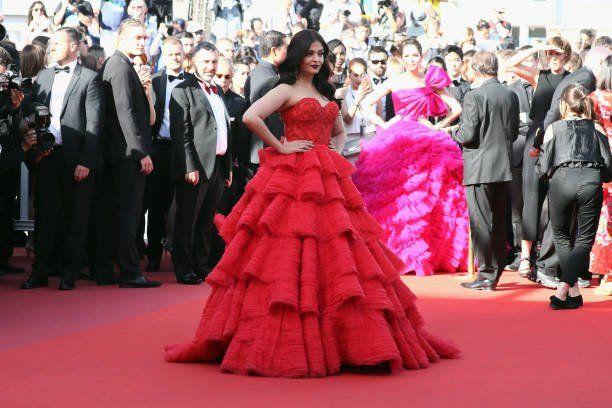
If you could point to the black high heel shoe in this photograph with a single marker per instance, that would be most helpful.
(558, 304)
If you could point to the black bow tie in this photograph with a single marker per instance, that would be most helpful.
(65, 69)
(378, 80)
(180, 76)
(456, 82)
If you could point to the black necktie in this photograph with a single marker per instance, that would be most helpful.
(179, 76)
(65, 69)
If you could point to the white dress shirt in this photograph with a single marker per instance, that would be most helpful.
(218, 108)
(164, 130)
(58, 91)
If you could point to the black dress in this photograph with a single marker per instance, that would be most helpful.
(534, 191)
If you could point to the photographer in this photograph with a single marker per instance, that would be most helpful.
(67, 106)
(333, 10)
(12, 151)
(66, 13)
(388, 21)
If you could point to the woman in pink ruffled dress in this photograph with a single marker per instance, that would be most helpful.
(410, 174)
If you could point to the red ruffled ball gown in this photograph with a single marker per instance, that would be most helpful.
(411, 178)
(305, 285)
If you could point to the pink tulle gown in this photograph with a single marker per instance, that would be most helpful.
(305, 285)
(410, 177)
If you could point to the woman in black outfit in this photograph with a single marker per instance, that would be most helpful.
(339, 74)
(575, 157)
(557, 50)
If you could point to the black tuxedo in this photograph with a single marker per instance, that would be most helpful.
(488, 126)
(63, 205)
(159, 191)
(236, 106)
(262, 79)
(458, 89)
(127, 140)
(194, 142)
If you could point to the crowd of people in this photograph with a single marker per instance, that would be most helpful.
(134, 125)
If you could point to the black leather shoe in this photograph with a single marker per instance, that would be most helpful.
(558, 304)
(107, 281)
(139, 283)
(480, 284)
(7, 268)
(153, 265)
(66, 284)
(33, 283)
(190, 279)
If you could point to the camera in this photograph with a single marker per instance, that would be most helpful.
(9, 79)
(384, 3)
(42, 119)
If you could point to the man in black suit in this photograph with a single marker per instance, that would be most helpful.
(453, 58)
(262, 79)
(488, 126)
(126, 147)
(377, 66)
(73, 96)
(240, 136)
(201, 164)
(160, 183)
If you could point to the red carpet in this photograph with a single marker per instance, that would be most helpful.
(102, 347)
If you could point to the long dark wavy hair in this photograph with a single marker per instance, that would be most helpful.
(296, 52)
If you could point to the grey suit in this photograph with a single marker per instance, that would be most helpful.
(62, 204)
(193, 128)
(488, 126)
(261, 80)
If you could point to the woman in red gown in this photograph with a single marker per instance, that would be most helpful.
(306, 285)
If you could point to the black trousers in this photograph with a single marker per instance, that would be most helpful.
(195, 211)
(119, 209)
(62, 208)
(9, 187)
(231, 195)
(548, 261)
(488, 206)
(575, 191)
(534, 193)
(516, 206)
(159, 193)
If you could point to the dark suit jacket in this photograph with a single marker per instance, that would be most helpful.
(159, 81)
(488, 126)
(584, 76)
(82, 116)
(261, 80)
(194, 132)
(236, 106)
(127, 129)
(524, 91)
(459, 89)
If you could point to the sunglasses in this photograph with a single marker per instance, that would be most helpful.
(377, 62)
(223, 76)
(554, 53)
